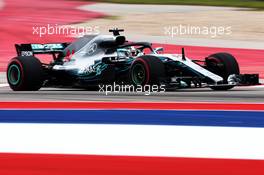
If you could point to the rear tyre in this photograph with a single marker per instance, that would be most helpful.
(25, 74)
(147, 70)
(222, 64)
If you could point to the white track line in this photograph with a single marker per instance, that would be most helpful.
(258, 86)
(133, 140)
(253, 87)
(4, 85)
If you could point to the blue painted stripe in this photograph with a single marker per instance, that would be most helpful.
(140, 117)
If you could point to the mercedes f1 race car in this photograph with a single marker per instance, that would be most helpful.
(106, 59)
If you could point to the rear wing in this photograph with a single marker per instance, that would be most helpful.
(31, 49)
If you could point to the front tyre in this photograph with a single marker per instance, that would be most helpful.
(222, 64)
(25, 74)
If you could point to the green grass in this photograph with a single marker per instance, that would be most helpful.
(257, 4)
(111, 17)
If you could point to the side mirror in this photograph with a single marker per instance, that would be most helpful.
(158, 49)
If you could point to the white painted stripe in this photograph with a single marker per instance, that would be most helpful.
(135, 140)
(256, 87)
(4, 85)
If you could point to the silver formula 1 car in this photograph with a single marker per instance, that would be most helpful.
(105, 59)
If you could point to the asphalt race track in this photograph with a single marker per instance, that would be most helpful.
(254, 94)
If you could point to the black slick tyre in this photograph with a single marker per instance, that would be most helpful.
(25, 74)
(146, 70)
(222, 64)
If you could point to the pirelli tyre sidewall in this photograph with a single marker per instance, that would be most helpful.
(222, 64)
(25, 74)
(146, 70)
